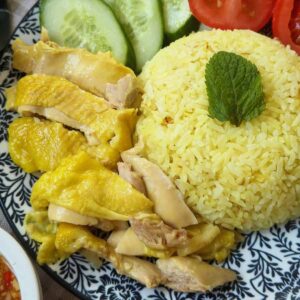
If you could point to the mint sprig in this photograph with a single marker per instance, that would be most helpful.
(234, 88)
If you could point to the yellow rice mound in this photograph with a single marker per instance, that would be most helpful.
(245, 177)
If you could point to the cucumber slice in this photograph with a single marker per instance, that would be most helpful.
(86, 24)
(178, 19)
(143, 24)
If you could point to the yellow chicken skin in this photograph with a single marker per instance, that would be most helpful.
(221, 246)
(84, 185)
(53, 91)
(41, 229)
(71, 238)
(188, 274)
(210, 242)
(98, 73)
(59, 100)
(40, 145)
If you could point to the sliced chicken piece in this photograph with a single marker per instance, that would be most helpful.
(60, 100)
(168, 201)
(129, 244)
(201, 236)
(39, 228)
(141, 270)
(220, 248)
(82, 184)
(56, 115)
(125, 93)
(189, 274)
(98, 73)
(115, 237)
(158, 235)
(40, 145)
(126, 172)
(48, 254)
(60, 214)
(72, 238)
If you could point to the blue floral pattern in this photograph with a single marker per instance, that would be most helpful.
(267, 262)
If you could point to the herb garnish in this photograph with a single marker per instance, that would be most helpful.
(234, 88)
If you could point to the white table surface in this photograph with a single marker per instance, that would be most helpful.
(51, 289)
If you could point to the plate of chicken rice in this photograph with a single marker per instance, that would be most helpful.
(148, 172)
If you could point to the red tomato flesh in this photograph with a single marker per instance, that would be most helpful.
(294, 24)
(8, 278)
(233, 14)
(285, 23)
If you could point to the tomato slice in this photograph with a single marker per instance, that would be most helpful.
(294, 24)
(285, 17)
(233, 14)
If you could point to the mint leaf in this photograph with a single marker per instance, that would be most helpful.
(234, 88)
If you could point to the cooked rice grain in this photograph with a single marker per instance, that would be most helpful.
(246, 177)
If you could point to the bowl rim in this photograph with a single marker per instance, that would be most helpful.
(21, 265)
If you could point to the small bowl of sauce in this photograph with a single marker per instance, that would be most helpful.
(18, 278)
(9, 286)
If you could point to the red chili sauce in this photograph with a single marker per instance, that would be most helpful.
(9, 287)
